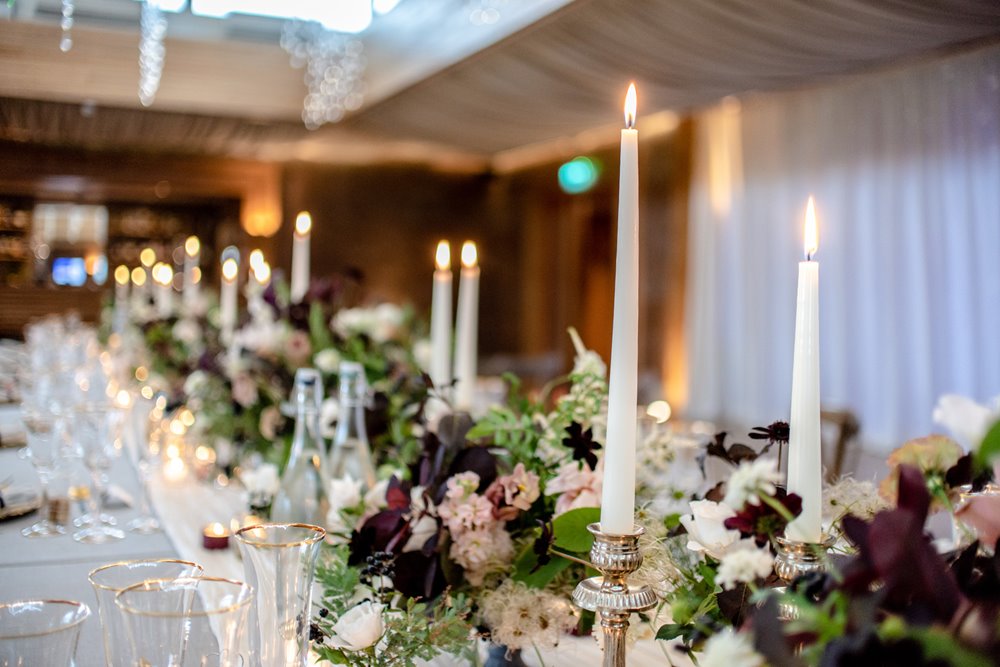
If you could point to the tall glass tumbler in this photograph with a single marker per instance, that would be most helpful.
(109, 580)
(279, 560)
(186, 621)
(40, 632)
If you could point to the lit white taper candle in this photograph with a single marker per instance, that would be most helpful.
(192, 272)
(227, 298)
(467, 328)
(618, 495)
(147, 258)
(300, 256)
(440, 370)
(804, 448)
(163, 276)
(119, 316)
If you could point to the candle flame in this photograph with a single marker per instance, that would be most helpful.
(139, 276)
(630, 104)
(216, 530)
(262, 272)
(469, 255)
(163, 273)
(811, 236)
(147, 257)
(256, 258)
(229, 270)
(443, 258)
(121, 274)
(192, 246)
(303, 223)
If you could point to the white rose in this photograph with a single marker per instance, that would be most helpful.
(187, 331)
(195, 382)
(388, 318)
(422, 351)
(327, 361)
(262, 480)
(344, 493)
(730, 649)
(967, 420)
(360, 627)
(706, 530)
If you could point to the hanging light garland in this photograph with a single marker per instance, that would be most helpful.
(152, 29)
(66, 23)
(334, 66)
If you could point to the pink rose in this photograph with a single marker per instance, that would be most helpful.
(298, 349)
(982, 512)
(244, 390)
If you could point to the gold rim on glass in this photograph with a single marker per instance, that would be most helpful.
(182, 614)
(84, 614)
(243, 534)
(96, 571)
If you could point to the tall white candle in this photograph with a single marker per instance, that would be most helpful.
(440, 370)
(192, 257)
(300, 256)
(147, 286)
(804, 449)
(163, 275)
(618, 495)
(120, 313)
(467, 328)
(227, 298)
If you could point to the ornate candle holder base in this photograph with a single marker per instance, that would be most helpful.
(610, 595)
(794, 558)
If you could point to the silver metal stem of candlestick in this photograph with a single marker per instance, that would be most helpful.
(610, 595)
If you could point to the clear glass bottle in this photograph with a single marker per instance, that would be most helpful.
(302, 496)
(351, 455)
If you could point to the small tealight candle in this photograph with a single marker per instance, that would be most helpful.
(215, 536)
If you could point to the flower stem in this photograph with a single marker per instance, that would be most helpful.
(571, 557)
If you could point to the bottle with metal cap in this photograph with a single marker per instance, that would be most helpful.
(302, 496)
(351, 455)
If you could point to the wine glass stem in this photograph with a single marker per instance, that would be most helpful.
(43, 481)
(97, 502)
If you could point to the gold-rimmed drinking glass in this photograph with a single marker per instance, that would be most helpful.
(278, 561)
(109, 580)
(186, 621)
(40, 632)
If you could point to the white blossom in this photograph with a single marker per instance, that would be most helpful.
(730, 649)
(327, 361)
(967, 420)
(744, 566)
(848, 495)
(262, 480)
(749, 480)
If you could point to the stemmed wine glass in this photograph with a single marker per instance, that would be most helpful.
(44, 451)
(94, 426)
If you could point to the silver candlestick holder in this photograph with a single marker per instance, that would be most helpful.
(610, 595)
(793, 558)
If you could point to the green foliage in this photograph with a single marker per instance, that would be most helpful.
(989, 450)
(570, 529)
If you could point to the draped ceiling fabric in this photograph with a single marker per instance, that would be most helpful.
(558, 77)
(569, 72)
(905, 169)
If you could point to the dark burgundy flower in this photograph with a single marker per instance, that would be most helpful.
(582, 443)
(762, 521)
(542, 545)
(734, 454)
(774, 433)
(894, 549)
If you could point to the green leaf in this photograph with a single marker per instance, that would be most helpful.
(670, 631)
(570, 529)
(541, 577)
(989, 450)
(318, 330)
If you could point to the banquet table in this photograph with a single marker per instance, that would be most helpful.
(57, 567)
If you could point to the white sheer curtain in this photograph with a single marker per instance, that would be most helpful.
(905, 169)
